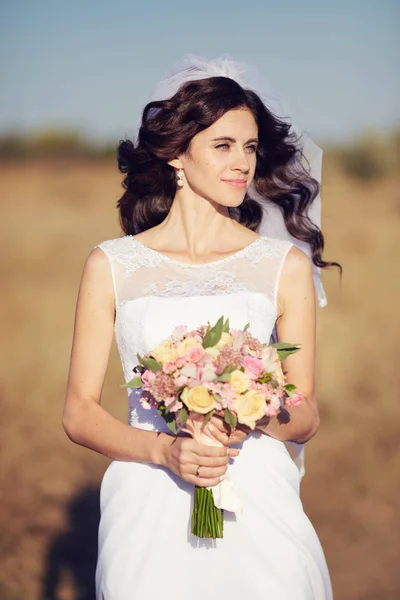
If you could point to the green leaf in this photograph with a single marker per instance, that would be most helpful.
(285, 346)
(172, 426)
(183, 415)
(151, 363)
(246, 327)
(284, 349)
(208, 416)
(266, 378)
(136, 382)
(289, 388)
(224, 377)
(169, 417)
(214, 335)
(283, 354)
(225, 328)
(230, 418)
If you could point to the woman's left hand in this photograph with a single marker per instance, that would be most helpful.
(217, 428)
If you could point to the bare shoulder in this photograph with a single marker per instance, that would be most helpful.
(97, 282)
(296, 280)
(297, 264)
(97, 262)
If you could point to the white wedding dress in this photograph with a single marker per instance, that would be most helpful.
(146, 551)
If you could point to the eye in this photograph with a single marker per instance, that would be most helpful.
(252, 148)
(222, 146)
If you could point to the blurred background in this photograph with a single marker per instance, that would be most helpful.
(74, 77)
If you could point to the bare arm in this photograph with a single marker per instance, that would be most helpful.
(87, 423)
(297, 324)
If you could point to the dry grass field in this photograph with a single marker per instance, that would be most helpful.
(52, 214)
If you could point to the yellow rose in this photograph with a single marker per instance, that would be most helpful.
(226, 338)
(198, 399)
(278, 374)
(250, 408)
(213, 352)
(164, 353)
(186, 344)
(239, 381)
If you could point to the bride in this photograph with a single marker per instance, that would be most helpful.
(212, 170)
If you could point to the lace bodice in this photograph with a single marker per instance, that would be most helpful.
(154, 293)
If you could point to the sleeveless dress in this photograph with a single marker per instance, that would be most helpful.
(146, 551)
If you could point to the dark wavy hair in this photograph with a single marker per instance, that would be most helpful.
(167, 129)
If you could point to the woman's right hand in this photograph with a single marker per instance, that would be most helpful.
(183, 456)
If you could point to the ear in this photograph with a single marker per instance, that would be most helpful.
(176, 163)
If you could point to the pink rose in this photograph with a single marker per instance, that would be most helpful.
(169, 367)
(180, 362)
(295, 399)
(148, 377)
(253, 366)
(195, 354)
(181, 381)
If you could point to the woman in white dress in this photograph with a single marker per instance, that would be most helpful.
(191, 253)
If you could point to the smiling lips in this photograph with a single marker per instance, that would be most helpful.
(238, 183)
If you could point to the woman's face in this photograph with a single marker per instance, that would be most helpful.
(221, 160)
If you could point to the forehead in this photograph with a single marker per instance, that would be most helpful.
(238, 123)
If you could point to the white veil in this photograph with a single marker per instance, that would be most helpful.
(191, 67)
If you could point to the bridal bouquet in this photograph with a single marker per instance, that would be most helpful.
(193, 375)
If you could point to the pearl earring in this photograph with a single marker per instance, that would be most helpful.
(180, 178)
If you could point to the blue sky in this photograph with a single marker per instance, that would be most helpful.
(92, 65)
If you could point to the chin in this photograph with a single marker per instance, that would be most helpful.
(232, 201)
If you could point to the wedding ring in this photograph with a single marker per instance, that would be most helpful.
(198, 471)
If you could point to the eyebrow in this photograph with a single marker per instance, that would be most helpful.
(225, 138)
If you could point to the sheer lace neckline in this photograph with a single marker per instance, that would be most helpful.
(232, 256)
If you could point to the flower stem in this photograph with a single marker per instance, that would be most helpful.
(207, 519)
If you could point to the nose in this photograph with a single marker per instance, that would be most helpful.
(241, 162)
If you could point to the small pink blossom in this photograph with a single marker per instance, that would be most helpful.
(148, 377)
(295, 399)
(179, 332)
(163, 387)
(228, 396)
(228, 357)
(173, 406)
(195, 335)
(180, 362)
(252, 343)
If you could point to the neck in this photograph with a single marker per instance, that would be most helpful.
(197, 224)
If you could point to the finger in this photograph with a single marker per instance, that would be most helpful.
(208, 431)
(218, 423)
(204, 482)
(205, 461)
(217, 434)
(211, 451)
(210, 472)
